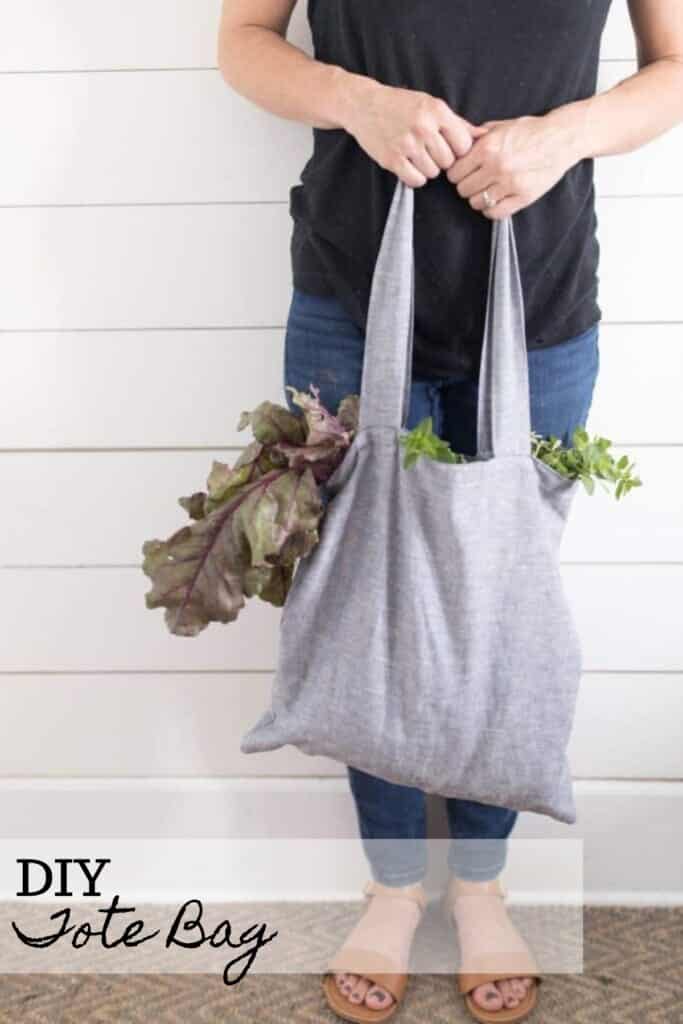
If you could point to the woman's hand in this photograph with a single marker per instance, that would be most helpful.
(413, 134)
(516, 161)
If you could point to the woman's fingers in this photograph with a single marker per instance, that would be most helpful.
(475, 182)
(504, 208)
(435, 153)
(495, 193)
(458, 133)
(437, 138)
(411, 133)
(440, 151)
(422, 159)
(468, 164)
(409, 174)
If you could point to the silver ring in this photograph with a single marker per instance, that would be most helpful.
(488, 202)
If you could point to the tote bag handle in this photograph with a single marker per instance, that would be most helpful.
(503, 412)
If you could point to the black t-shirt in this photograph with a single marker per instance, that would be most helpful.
(488, 59)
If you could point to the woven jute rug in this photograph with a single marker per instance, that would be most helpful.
(633, 974)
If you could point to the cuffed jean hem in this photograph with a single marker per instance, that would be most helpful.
(398, 880)
(477, 860)
(396, 861)
(470, 874)
(476, 872)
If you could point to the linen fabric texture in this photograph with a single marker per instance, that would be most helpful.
(427, 639)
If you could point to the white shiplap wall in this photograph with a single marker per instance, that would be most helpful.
(140, 204)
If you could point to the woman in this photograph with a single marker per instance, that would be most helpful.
(487, 110)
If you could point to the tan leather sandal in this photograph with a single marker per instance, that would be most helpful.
(488, 967)
(379, 969)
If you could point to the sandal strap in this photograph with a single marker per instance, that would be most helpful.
(488, 967)
(499, 967)
(376, 966)
(468, 982)
(450, 900)
(379, 969)
(371, 889)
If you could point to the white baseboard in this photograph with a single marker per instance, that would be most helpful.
(631, 831)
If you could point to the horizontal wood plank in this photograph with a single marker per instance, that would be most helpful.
(81, 34)
(88, 487)
(144, 267)
(150, 137)
(229, 266)
(628, 726)
(99, 389)
(89, 620)
(191, 725)
(145, 137)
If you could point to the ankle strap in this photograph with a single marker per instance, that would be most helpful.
(451, 898)
(371, 888)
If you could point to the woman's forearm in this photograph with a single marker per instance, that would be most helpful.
(630, 114)
(263, 66)
(406, 131)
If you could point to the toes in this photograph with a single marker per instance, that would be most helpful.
(488, 997)
(518, 988)
(357, 994)
(357, 989)
(377, 998)
(506, 990)
(346, 983)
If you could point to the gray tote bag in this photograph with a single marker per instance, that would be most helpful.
(427, 639)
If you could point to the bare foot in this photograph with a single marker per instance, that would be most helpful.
(485, 928)
(388, 927)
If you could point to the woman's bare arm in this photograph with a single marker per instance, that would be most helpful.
(257, 61)
(407, 131)
(649, 102)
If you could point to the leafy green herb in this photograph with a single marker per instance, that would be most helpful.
(587, 460)
(422, 441)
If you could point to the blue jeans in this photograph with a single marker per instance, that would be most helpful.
(324, 347)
